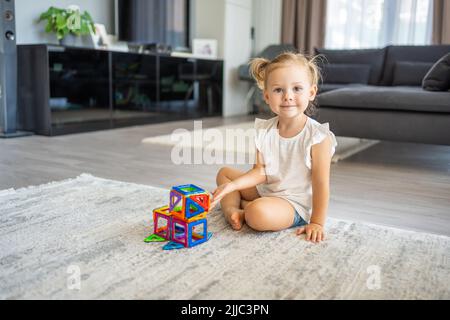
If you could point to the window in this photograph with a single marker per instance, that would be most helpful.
(359, 24)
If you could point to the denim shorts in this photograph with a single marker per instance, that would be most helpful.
(298, 220)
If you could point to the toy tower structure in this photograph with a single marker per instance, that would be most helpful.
(184, 220)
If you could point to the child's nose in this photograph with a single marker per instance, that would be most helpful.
(288, 95)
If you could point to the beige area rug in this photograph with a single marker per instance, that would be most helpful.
(83, 239)
(205, 139)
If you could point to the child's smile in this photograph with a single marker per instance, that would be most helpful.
(290, 109)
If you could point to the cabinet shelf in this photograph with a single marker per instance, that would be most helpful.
(134, 81)
(79, 89)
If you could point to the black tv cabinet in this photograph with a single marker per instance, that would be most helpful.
(65, 90)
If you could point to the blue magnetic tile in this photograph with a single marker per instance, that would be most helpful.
(173, 246)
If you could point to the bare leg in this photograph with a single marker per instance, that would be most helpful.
(244, 203)
(231, 203)
(269, 214)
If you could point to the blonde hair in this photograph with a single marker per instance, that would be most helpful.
(260, 68)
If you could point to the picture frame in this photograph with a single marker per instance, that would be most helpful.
(205, 48)
(100, 38)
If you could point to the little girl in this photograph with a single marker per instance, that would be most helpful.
(289, 184)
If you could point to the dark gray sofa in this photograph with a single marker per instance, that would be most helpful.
(377, 94)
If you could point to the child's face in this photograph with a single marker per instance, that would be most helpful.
(289, 91)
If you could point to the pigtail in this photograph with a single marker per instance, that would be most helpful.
(258, 71)
(313, 65)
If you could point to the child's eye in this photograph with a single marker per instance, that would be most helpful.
(298, 89)
(277, 90)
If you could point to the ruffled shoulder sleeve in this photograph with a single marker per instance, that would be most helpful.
(261, 128)
(318, 133)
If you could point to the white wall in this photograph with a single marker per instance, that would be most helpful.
(208, 21)
(28, 12)
(237, 51)
(267, 23)
(240, 16)
(228, 21)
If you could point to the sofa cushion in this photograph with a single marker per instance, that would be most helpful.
(408, 73)
(244, 73)
(372, 57)
(430, 54)
(346, 73)
(334, 86)
(386, 98)
(438, 78)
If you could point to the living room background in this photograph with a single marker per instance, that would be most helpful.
(95, 135)
(376, 23)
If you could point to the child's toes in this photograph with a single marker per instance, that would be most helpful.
(236, 220)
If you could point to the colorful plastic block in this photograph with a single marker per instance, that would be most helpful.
(195, 238)
(179, 233)
(173, 246)
(188, 201)
(183, 222)
(188, 189)
(186, 233)
(182, 207)
(162, 221)
(155, 238)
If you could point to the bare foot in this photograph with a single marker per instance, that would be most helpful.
(235, 218)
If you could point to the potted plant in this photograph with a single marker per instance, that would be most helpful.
(66, 23)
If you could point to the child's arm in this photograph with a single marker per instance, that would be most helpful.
(255, 176)
(320, 176)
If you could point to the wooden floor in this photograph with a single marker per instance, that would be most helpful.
(395, 184)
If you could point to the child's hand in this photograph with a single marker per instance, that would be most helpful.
(314, 232)
(221, 192)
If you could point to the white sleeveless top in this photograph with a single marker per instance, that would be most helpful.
(288, 162)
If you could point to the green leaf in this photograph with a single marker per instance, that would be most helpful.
(63, 22)
(44, 16)
(84, 29)
(88, 17)
(52, 11)
(60, 22)
(49, 27)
